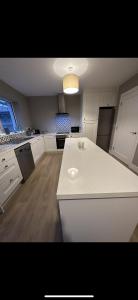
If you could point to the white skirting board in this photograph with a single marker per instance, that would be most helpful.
(98, 220)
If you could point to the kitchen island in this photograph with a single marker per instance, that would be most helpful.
(100, 204)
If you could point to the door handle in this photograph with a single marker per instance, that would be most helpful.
(133, 132)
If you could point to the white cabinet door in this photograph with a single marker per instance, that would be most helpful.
(125, 139)
(6, 156)
(50, 143)
(90, 130)
(9, 183)
(93, 100)
(10, 175)
(108, 99)
(37, 147)
(35, 151)
(91, 107)
(40, 146)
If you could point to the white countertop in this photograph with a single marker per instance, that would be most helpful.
(100, 175)
(7, 147)
(64, 133)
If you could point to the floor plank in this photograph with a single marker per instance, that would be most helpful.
(32, 213)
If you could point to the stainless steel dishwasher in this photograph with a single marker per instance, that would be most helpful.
(25, 160)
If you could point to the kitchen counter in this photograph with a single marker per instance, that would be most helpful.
(100, 175)
(51, 133)
(70, 134)
(101, 203)
(8, 146)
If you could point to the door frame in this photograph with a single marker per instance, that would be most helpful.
(132, 92)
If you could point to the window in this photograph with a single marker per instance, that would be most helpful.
(7, 116)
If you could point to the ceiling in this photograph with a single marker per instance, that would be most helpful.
(38, 76)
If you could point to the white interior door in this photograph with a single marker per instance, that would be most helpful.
(125, 140)
(133, 164)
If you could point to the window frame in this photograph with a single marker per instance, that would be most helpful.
(12, 113)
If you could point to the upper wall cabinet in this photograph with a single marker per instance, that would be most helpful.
(92, 100)
(109, 98)
(90, 106)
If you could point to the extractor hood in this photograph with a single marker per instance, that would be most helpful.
(61, 104)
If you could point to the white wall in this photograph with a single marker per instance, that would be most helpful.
(43, 111)
(10, 94)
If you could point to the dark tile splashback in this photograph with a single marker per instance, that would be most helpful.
(63, 123)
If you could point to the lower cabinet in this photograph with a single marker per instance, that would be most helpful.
(41, 146)
(90, 130)
(50, 143)
(10, 175)
(37, 147)
(75, 134)
(34, 152)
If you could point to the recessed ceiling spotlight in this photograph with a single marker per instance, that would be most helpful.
(70, 69)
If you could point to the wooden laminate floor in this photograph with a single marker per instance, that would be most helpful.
(32, 214)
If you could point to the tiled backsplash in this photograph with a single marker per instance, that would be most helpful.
(10, 137)
(63, 123)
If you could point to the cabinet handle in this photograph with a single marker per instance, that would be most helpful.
(133, 132)
(6, 166)
(3, 159)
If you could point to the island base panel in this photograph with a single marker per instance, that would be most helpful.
(98, 220)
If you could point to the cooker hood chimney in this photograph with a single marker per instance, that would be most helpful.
(61, 104)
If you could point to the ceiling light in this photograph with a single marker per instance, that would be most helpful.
(70, 84)
(63, 66)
